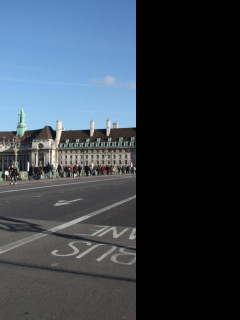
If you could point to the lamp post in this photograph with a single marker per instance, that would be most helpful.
(16, 155)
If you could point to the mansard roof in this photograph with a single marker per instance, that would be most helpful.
(46, 134)
(72, 135)
(7, 136)
(29, 135)
(82, 135)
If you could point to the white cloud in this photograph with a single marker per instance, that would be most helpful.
(112, 81)
(108, 80)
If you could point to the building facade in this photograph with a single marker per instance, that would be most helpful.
(110, 146)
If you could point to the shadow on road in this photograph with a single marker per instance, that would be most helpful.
(16, 226)
(54, 269)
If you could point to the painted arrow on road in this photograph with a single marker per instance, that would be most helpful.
(65, 202)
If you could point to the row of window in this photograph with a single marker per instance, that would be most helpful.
(94, 151)
(96, 157)
(98, 144)
(98, 140)
(89, 163)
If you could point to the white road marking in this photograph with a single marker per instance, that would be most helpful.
(122, 257)
(63, 185)
(106, 254)
(65, 202)
(37, 236)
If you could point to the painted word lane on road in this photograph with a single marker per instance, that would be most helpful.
(104, 245)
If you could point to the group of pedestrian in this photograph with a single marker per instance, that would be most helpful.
(40, 172)
(10, 174)
(78, 171)
(49, 171)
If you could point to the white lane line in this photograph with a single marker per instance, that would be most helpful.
(37, 236)
(62, 185)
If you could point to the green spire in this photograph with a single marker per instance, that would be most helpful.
(22, 127)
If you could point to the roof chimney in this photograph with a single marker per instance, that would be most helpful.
(59, 130)
(108, 128)
(92, 128)
(115, 125)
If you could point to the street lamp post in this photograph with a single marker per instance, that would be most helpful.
(16, 149)
(16, 155)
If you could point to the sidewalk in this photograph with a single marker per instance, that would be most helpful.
(26, 181)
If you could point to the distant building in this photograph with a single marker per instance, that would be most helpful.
(110, 146)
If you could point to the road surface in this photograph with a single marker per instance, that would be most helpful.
(68, 249)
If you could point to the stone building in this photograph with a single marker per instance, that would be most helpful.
(110, 146)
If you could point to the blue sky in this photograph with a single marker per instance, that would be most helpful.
(70, 60)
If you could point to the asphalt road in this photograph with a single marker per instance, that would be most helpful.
(68, 249)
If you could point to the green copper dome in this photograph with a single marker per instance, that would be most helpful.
(22, 127)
